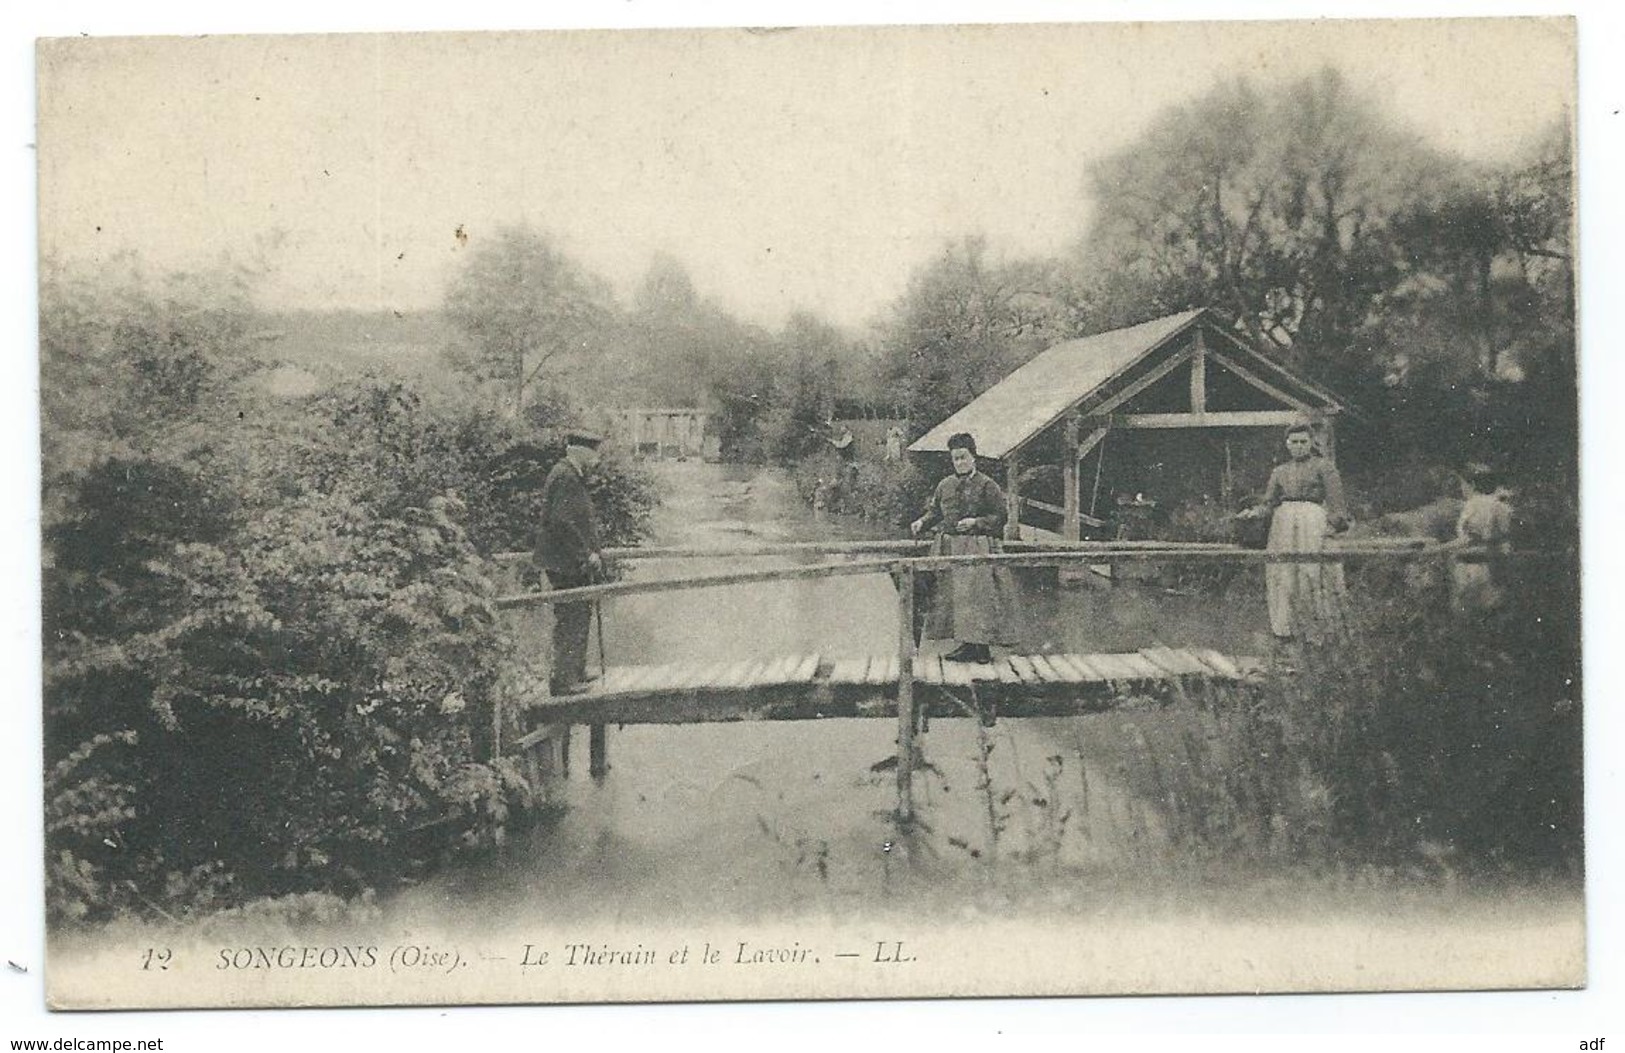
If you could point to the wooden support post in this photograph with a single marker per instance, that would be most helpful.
(905, 695)
(1071, 529)
(1279, 418)
(1198, 374)
(597, 751)
(1012, 497)
(1227, 482)
(1100, 464)
(1328, 437)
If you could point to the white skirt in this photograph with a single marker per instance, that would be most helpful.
(1305, 599)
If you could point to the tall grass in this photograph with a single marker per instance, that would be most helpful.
(1423, 742)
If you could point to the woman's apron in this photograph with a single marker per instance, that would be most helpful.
(972, 604)
(1305, 599)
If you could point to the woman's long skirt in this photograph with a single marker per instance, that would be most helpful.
(972, 604)
(1305, 599)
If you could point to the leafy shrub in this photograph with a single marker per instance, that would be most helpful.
(304, 695)
(889, 493)
(624, 495)
(271, 658)
(130, 364)
(402, 449)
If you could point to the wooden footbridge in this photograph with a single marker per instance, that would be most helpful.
(904, 683)
(812, 687)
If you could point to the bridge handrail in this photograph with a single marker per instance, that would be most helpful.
(905, 568)
(1055, 558)
(797, 548)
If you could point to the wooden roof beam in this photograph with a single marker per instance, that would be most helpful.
(1266, 364)
(1226, 419)
(1258, 382)
(1170, 364)
(1173, 363)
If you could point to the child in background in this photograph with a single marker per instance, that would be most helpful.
(1485, 523)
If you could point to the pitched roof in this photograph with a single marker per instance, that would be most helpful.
(1040, 392)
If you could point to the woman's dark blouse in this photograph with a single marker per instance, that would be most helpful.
(973, 496)
(1314, 479)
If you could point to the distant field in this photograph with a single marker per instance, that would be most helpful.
(309, 350)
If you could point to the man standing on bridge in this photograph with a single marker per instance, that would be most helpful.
(567, 548)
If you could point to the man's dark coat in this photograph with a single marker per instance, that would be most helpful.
(568, 532)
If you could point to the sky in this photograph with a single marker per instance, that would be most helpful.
(806, 169)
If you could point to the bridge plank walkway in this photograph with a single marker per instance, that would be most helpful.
(810, 686)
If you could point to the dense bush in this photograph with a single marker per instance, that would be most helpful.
(1429, 744)
(316, 685)
(402, 449)
(271, 658)
(1426, 738)
(887, 493)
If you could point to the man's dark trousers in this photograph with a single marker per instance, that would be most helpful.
(566, 547)
(572, 624)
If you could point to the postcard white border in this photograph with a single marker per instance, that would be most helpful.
(1556, 1014)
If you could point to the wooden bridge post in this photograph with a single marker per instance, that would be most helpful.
(1071, 528)
(905, 694)
(597, 751)
(1012, 496)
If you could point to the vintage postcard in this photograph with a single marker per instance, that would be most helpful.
(820, 513)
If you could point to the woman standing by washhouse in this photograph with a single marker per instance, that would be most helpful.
(975, 605)
(1304, 500)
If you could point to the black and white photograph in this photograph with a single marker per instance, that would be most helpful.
(811, 513)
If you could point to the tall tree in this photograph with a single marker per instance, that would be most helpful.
(523, 304)
(667, 290)
(1535, 200)
(132, 364)
(1274, 206)
(1479, 329)
(677, 348)
(810, 354)
(964, 323)
(671, 335)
